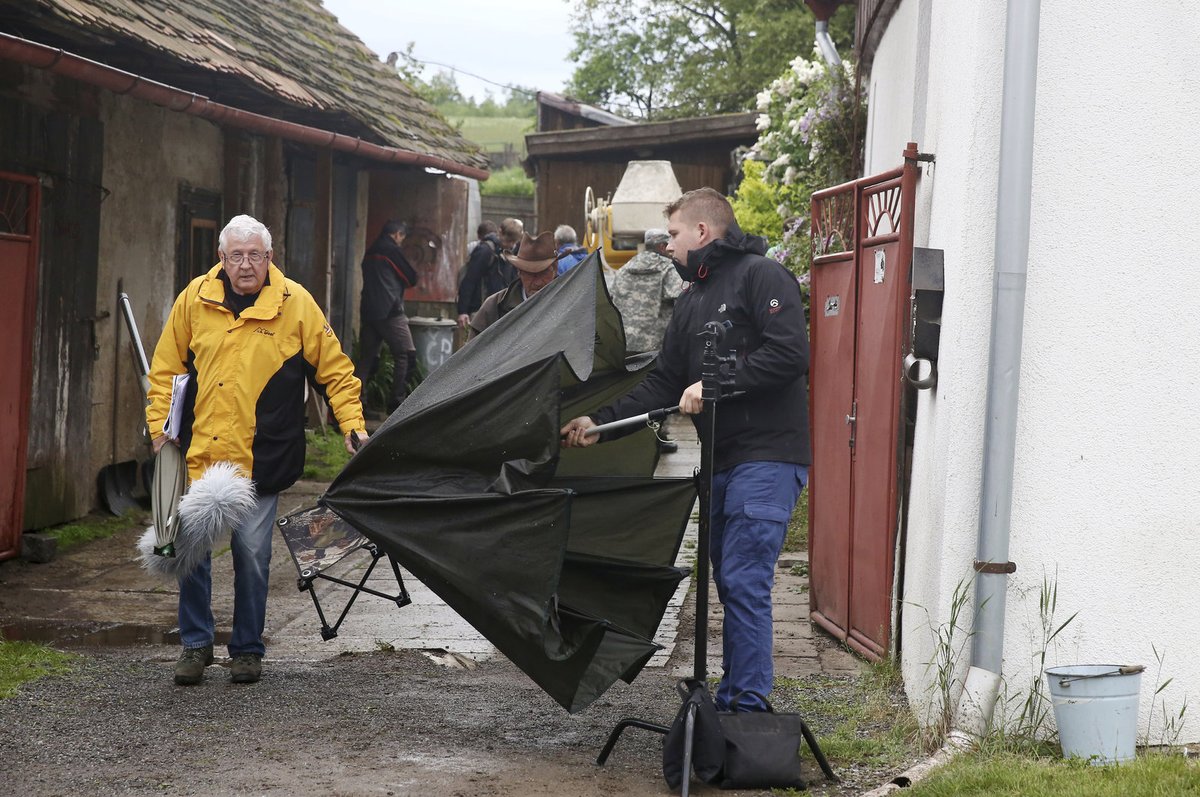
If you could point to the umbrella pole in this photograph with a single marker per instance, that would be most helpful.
(715, 371)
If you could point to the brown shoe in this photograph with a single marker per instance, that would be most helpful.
(189, 670)
(246, 668)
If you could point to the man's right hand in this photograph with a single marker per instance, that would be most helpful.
(573, 433)
(463, 321)
(161, 441)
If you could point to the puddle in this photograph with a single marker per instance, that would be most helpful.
(92, 635)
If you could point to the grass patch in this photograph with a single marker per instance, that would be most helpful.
(491, 133)
(797, 530)
(94, 527)
(507, 182)
(21, 662)
(862, 721)
(325, 454)
(1007, 773)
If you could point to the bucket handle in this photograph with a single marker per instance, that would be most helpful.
(1130, 669)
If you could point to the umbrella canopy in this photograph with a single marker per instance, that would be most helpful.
(563, 560)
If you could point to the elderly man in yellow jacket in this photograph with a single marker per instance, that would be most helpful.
(248, 337)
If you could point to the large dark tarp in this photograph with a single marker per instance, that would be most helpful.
(563, 560)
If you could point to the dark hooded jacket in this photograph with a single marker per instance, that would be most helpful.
(732, 282)
(386, 274)
(485, 273)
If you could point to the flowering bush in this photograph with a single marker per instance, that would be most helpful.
(811, 128)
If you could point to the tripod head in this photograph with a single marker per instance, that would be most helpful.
(717, 371)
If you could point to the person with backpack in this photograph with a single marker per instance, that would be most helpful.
(486, 270)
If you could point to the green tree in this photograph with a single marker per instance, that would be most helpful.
(660, 59)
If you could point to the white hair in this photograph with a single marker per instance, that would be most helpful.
(241, 229)
(564, 234)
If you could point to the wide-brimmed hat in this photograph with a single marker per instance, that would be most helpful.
(534, 254)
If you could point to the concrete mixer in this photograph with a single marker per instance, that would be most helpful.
(616, 227)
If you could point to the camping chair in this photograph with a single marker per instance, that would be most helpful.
(318, 540)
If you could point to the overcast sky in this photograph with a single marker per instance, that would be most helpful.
(523, 42)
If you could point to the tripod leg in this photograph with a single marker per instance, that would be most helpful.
(616, 734)
(689, 732)
(816, 751)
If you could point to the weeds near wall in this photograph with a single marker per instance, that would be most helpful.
(1172, 723)
(950, 643)
(1037, 708)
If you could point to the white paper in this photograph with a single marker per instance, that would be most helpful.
(174, 424)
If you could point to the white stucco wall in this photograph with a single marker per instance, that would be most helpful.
(1107, 473)
(149, 152)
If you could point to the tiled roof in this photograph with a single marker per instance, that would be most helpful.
(311, 69)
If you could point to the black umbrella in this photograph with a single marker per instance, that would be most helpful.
(564, 560)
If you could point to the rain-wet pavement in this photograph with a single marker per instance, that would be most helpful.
(97, 595)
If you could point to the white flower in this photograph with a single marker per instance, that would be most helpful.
(782, 160)
(789, 176)
(764, 99)
(763, 122)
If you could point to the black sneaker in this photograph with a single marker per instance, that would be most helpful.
(667, 446)
(246, 668)
(189, 670)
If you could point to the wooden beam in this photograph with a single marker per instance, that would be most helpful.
(323, 231)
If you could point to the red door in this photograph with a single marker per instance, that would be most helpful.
(18, 260)
(861, 289)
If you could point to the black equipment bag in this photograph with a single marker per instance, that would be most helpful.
(762, 748)
(708, 745)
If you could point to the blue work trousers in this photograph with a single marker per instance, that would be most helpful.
(251, 549)
(751, 506)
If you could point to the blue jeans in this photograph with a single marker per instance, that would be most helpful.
(251, 548)
(751, 506)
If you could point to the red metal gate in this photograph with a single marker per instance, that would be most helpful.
(860, 309)
(19, 200)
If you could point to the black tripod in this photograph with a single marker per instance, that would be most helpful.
(716, 372)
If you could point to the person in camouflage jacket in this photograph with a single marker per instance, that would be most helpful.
(645, 290)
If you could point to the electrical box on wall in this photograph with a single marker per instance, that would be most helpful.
(928, 287)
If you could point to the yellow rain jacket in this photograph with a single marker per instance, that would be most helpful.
(245, 399)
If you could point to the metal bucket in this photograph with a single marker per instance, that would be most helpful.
(434, 340)
(1096, 708)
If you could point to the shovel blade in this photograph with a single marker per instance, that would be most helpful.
(117, 484)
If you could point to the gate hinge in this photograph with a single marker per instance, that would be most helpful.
(925, 157)
(995, 567)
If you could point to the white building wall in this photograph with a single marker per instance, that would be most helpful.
(1107, 474)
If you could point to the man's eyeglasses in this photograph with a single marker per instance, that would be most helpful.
(255, 258)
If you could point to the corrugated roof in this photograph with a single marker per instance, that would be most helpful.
(292, 50)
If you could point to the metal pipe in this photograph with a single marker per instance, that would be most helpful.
(1008, 313)
(119, 81)
(825, 44)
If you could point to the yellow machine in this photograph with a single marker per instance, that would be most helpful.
(617, 227)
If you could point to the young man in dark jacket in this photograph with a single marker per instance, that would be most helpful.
(386, 275)
(761, 451)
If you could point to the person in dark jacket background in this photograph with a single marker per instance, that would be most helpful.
(761, 451)
(486, 270)
(386, 275)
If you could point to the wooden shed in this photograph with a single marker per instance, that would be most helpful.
(566, 160)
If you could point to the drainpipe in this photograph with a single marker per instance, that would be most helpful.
(992, 565)
(118, 81)
(825, 44)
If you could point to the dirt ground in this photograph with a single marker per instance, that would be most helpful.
(384, 723)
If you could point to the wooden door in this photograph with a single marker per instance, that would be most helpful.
(860, 308)
(18, 263)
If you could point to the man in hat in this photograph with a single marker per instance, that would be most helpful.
(536, 263)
